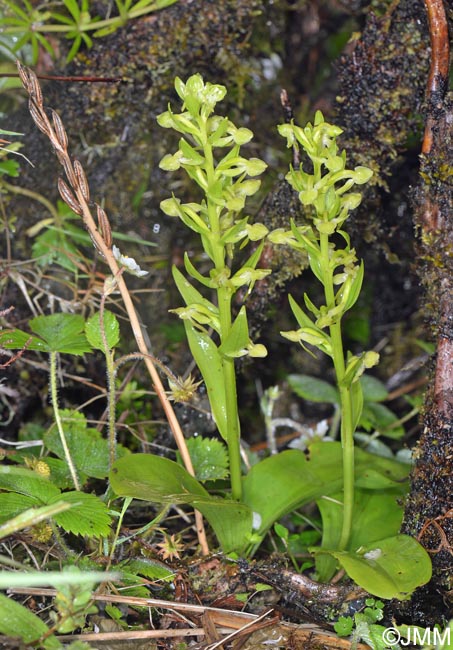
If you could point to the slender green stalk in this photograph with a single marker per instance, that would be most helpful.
(58, 422)
(325, 190)
(110, 369)
(347, 432)
(224, 294)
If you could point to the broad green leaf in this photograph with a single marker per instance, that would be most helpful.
(88, 515)
(155, 479)
(60, 474)
(17, 621)
(209, 362)
(231, 521)
(61, 332)
(376, 514)
(209, 458)
(298, 479)
(388, 568)
(159, 480)
(313, 389)
(373, 389)
(235, 345)
(18, 340)
(111, 330)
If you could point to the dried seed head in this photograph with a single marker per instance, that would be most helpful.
(35, 88)
(82, 180)
(61, 157)
(39, 117)
(95, 244)
(68, 197)
(23, 74)
(69, 171)
(104, 226)
(60, 131)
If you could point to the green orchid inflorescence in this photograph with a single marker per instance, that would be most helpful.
(209, 152)
(324, 191)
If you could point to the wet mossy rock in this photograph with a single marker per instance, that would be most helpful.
(112, 126)
(206, 36)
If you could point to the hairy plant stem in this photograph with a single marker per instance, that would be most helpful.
(110, 368)
(58, 422)
(347, 432)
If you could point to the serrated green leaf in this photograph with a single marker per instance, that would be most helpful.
(111, 329)
(209, 457)
(17, 621)
(19, 340)
(12, 504)
(88, 516)
(344, 625)
(29, 516)
(27, 482)
(313, 389)
(61, 332)
(88, 450)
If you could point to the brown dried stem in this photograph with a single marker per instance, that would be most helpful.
(439, 69)
(77, 198)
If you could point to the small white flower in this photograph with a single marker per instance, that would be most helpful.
(128, 263)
